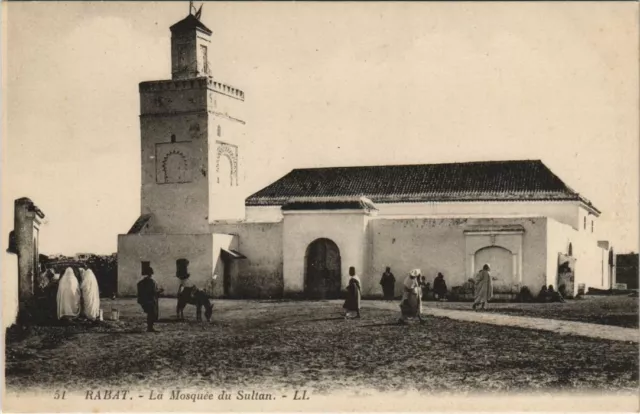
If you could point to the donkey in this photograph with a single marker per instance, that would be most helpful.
(197, 297)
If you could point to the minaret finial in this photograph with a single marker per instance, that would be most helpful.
(192, 10)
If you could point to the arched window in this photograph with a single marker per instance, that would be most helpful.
(225, 178)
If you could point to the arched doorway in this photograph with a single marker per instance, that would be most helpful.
(501, 262)
(323, 278)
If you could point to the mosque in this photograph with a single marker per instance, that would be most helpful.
(299, 235)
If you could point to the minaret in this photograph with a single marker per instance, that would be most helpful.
(191, 130)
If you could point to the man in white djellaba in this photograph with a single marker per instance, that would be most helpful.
(68, 297)
(90, 295)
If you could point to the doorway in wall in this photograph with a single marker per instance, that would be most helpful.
(323, 277)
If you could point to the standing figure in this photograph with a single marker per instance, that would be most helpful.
(439, 287)
(388, 283)
(554, 296)
(352, 303)
(483, 287)
(411, 305)
(148, 295)
(68, 295)
(90, 295)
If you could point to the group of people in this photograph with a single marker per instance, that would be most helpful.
(413, 292)
(72, 295)
(549, 294)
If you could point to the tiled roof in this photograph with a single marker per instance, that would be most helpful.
(330, 203)
(470, 181)
(188, 23)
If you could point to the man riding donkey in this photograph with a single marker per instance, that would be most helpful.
(188, 293)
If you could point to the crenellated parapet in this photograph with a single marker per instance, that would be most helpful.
(188, 84)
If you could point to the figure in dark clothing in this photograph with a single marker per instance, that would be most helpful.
(148, 294)
(388, 283)
(426, 288)
(553, 295)
(543, 295)
(352, 303)
(439, 287)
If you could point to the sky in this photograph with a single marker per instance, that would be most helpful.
(326, 84)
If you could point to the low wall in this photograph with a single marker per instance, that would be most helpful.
(439, 245)
(163, 251)
(260, 274)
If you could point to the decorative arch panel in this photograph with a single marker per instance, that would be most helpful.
(174, 163)
(227, 153)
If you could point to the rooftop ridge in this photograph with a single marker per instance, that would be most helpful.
(534, 160)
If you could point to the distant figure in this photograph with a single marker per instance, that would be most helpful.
(148, 295)
(483, 287)
(388, 283)
(352, 303)
(439, 287)
(68, 295)
(210, 286)
(426, 287)
(553, 295)
(562, 289)
(543, 295)
(90, 295)
(411, 305)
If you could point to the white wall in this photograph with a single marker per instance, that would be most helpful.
(563, 212)
(347, 229)
(440, 245)
(260, 274)
(266, 214)
(591, 261)
(163, 251)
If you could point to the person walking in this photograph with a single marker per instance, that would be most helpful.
(483, 287)
(148, 296)
(352, 303)
(411, 305)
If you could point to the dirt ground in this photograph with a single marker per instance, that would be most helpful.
(308, 344)
(604, 310)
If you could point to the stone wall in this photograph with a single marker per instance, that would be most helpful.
(163, 251)
(260, 275)
(440, 245)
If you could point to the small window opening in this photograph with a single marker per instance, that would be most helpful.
(219, 131)
(591, 226)
(585, 223)
(173, 138)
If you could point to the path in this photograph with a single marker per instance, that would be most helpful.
(591, 330)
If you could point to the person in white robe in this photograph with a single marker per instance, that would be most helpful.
(90, 295)
(68, 297)
(411, 305)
